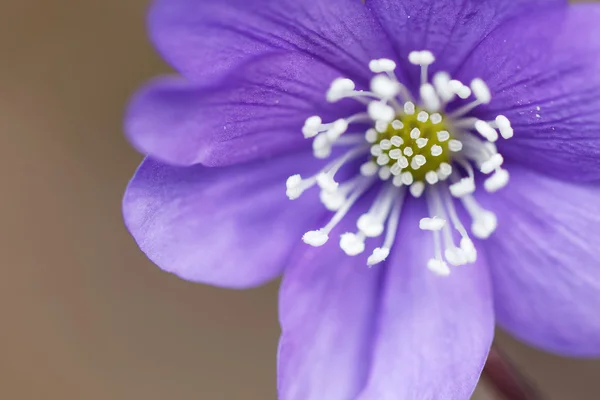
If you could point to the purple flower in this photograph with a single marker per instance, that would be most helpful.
(390, 124)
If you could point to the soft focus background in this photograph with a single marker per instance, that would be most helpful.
(83, 315)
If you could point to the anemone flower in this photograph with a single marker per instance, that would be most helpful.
(443, 158)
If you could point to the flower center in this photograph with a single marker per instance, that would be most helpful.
(412, 146)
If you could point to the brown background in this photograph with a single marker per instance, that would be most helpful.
(83, 314)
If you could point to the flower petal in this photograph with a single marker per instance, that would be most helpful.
(543, 72)
(394, 331)
(231, 227)
(328, 306)
(257, 113)
(451, 29)
(204, 39)
(434, 332)
(545, 260)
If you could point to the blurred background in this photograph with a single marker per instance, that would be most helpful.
(83, 314)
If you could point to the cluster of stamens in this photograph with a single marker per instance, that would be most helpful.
(412, 146)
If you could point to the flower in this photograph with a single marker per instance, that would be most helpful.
(394, 126)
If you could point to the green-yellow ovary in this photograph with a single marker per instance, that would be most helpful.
(428, 130)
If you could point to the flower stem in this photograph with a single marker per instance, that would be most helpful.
(505, 378)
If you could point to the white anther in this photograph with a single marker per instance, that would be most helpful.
(481, 91)
(383, 159)
(294, 187)
(442, 136)
(436, 150)
(369, 168)
(385, 144)
(403, 162)
(376, 150)
(321, 146)
(414, 165)
(378, 255)
(352, 244)
(397, 181)
(460, 89)
(497, 181)
(441, 81)
(504, 126)
(408, 151)
(455, 145)
(369, 225)
(484, 225)
(467, 246)
(445, 169)
(381, 126)
(407, 178)
(340, 88)
(431, 177)
(424, 57)
(422, 142)
(417, 189)
(409, 108)
(420, 160)
(435, 118)
(315, 238)
(395, 154)
(384, 173)
(463, 187)
(430, 99)
(371, 135)
(415, 133)
(326, 182)
(397, 125)
(414, 57)
(438, 267)
(455, 256)
(382, 65)
(333, 201)
(432, 224)
(486, 130)
(397, 141)
(423, 116)
(396, 169)
(494, 162)
(379, 111)
(337, 129)
(311, 126)
(384, 87)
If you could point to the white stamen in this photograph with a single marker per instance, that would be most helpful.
(436, 150)
(496, 181)
(494, 162)
(385, 144)
(409, 108)
(443, 136)
(381, 126)
(397, 125)
(429, 98)
(397, 141)
(338, 128)
(463, 187)
(441, 81)
(432, 224)
(384, 87)
(486, 130)
(484, 225)
(407, 178)
(438, 267)
(326, 182)
(379, 255)
(385, 173)
(383, 159)
(415, 133)
(481, 91)
(408, 151)
(416, 189)
(396, 169)
(395, 154)
(321, 146)
(455, 145)
(504, 126)
(369, 168)
(431, 177)
(435, 118)
(403, 162)
(382, 65)
(371, 135)
(339, 89)
(420, 160)
(315, 238)
(381, 112)
(376, 150)
(422, 142)
(423, 116)
(311, 126)
(352, 244)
